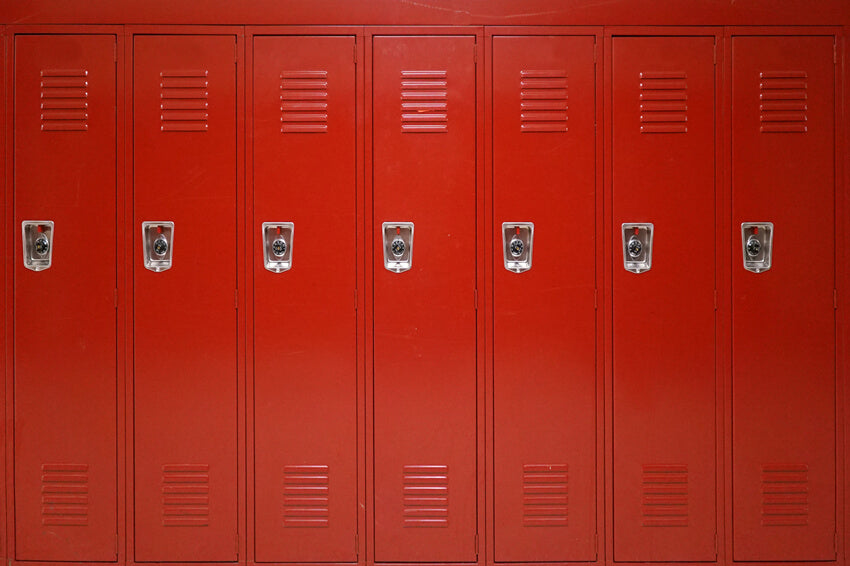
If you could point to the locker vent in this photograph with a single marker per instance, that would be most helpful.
(664, 102)
(545, 495)
(426, 496)
(65, 495)
(64, 100)
(183, 101)
(782, 100)
(664, 501)
(424, 102)
(785, 495)
(305, 496)
(543, 101)
(304, 102)
(185, 495)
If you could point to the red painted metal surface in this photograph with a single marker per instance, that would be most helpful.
(305, 349)
(65, 382)
(783, 320)
(424, 319)
(545, 318)
(185, 332)
(663, 319)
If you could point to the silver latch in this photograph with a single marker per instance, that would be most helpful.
(37, 244)
(517, 242)
(757, 241)
(277, 245)
(157, 245)
(398, 246)
(637, 247)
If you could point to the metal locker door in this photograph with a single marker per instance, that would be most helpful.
(544, 317)
(783, 319)
(305, 335)
(664, 322)
(65, 317)
(424, 317)
(184, 123)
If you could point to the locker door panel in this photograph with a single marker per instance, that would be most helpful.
(65, 318)
(664, 326)
(544, 318)
(304, 322)
(185, 319)
(424, 318)
(783, 334)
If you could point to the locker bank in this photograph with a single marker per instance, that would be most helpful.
(450, 282)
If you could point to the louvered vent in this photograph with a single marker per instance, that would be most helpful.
(664, 501)
(305, 496)
(183, 101)
(64, 100)
(185, 495)
(304, 102)
(545, 495)
(664, 102)
(426, 496)
(424, 102)
(65, 495)
(783, 101)
(543, 101)
(785, 495)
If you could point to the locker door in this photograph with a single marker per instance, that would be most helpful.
(184, 118)
(783, 319)
(65, 318)
(544, 318)
(424, 318)
(664, 326)
(305, 338)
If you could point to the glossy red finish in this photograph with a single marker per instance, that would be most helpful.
(432, 12)
(305, 339)
(65, 382)
(424, 319)
(545, 367)
(185, 331)
(663, 319)
(783, 320)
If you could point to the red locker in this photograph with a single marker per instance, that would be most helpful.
(184, 119)
(664, 320)
(544, 318)
(783, 319)
(305, 338)
(424, 122)
(65, 315)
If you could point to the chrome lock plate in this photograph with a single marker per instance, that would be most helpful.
(398, 246)
(517, 242)
(757, 242)
(37, 244)
(157, 244)
(637, 247)
(277, 245)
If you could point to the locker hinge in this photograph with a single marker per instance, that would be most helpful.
(475, 299)
(834, 53)
(235, 52)
(595, 299)
(236, 299)
(596, 544)
(115, 52)
(237, 544)
(115, 296)
(835, 539)
(715, 53)
(355, 52)
(116, 546)
(715, 299)
(355, 299)
(475, 53)
(716, 546)
(476, 546)
(835, 299)
(594, 53)
(357, 545)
